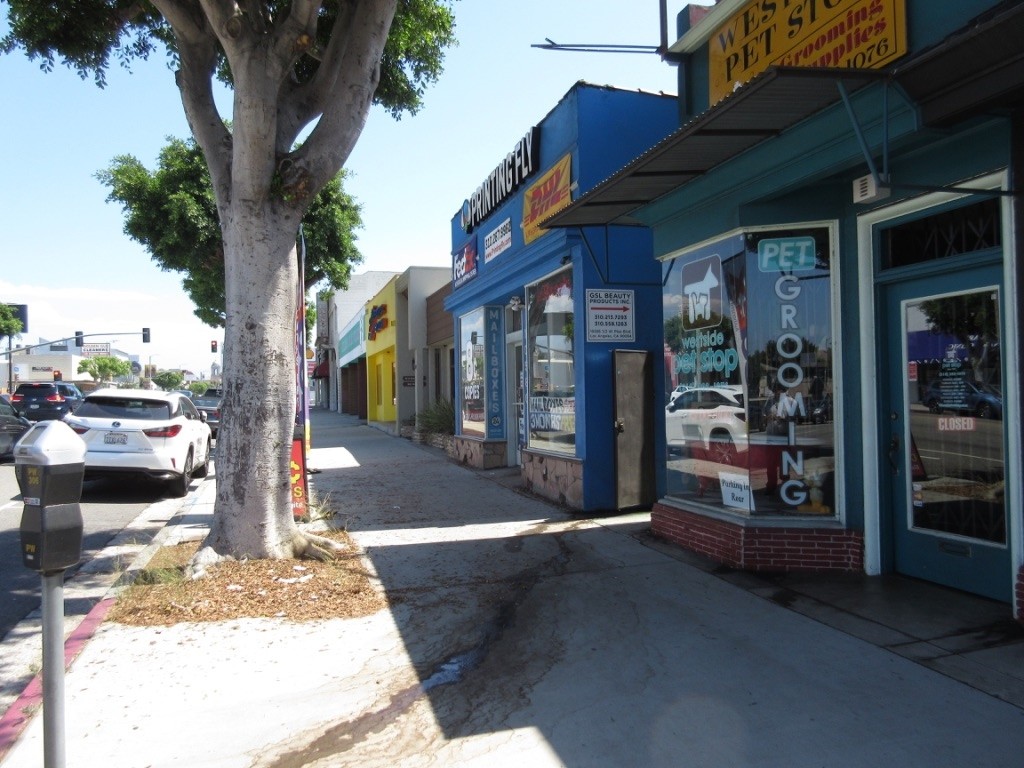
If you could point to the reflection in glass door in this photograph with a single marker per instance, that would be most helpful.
(946, 443)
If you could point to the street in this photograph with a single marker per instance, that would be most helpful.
(106, 509)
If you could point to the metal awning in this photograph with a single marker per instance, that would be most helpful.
(777, 99)
(977, 69)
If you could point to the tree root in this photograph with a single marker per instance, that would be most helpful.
(303, 546)
(312, 547)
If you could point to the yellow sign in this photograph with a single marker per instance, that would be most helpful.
(548, 195)
(859, 34)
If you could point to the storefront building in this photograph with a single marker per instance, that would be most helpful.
(343, 326)
(554, 330)
(440, 349)
(382, 359)
(412, 291)
(838, 227)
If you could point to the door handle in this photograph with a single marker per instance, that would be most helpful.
(894, 447)
(620, 426)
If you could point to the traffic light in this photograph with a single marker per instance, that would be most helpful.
(145, 335)
(213, 346)
(79, 338)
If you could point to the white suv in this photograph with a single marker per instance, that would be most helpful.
(713, 417)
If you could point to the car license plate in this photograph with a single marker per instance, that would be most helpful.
(115, 438)
(33, 406)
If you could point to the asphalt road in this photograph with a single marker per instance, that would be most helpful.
(107, 507)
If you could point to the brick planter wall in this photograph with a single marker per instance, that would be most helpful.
(760, 548)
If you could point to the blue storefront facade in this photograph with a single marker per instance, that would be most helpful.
(837, 225)
(540, 315)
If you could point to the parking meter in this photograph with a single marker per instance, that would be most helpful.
(49, 462)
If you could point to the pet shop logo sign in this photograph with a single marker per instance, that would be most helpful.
(704, 350)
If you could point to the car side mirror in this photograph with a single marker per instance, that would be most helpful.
(671, 407)
(202, 416)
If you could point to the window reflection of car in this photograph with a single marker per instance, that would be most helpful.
(713, 418)
(982, 400)
(678, 391)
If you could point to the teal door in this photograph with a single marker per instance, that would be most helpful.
(942, 430)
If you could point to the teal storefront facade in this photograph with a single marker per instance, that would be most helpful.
(840, 251)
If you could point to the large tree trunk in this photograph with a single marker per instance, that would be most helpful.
(263, 185)
(253, 512)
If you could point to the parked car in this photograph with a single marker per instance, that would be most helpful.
(42, 400)
(983, 400)
(678, 391)
(157, 435)
(209, 403)
(714, 418)
(12, 426)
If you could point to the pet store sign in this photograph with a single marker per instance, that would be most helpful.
(856, 34)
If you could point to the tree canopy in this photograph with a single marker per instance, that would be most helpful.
(105, 368)
(168, 380)
(10, 325)
(172, 212)
(305, 74)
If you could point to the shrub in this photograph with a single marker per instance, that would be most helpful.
(438, 418)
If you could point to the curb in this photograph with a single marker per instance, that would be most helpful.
(21, 711)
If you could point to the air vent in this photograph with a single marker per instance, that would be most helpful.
(867, 190)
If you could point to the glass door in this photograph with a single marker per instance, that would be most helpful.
(942, 422)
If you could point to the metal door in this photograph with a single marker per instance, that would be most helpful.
(942, 421)
(633, 428)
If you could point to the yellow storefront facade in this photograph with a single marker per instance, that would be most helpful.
(381, 342)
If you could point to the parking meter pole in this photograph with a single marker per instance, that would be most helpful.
(49, 463)
(53, 670)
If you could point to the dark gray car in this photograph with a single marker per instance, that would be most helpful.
(209, 403)
(42, 400)
(12, 426)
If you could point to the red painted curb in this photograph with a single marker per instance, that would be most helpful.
(20, 713)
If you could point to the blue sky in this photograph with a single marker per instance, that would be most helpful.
(64, 253)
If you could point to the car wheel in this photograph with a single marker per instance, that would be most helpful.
(204, 469)
(720, 448)
(985, 411)
(934, 407)
(179, 485)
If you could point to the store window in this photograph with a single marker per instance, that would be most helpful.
(471, 364)
(749, 371)
(550, 356)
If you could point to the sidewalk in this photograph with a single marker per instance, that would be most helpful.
(521, 635)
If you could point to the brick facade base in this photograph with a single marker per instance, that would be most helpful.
(479, 454)
(551, 477)
(760, 548)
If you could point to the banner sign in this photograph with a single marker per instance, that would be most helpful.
(545, 197)
(498, 240)
(494, 351)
